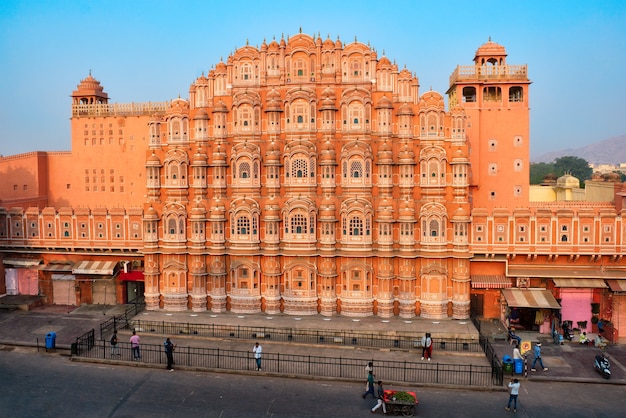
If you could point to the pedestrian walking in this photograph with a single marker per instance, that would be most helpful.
(427, 346)
(514, 386)
(370, 385)
(517, 355)
(115, 350)
(369, 368)
(134, 345)
(169, 352)
(380, 391)
(538, 359)
(257, 350)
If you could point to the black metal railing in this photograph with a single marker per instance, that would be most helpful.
(84, 343)
(302, 336)
(300, 365)
(490, 353)
(121, 321)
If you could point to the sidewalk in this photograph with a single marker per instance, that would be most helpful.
(568, 362)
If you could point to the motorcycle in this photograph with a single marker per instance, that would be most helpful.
(602, 365)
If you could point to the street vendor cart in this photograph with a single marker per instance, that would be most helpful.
(400, 402)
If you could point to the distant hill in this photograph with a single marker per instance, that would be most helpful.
(609, 151)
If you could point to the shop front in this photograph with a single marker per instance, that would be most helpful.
(529, 309)
(21, 276)
(95, 281)
(485, 294)
(63, 282)
(576, 296)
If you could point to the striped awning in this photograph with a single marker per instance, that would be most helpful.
(21, 262)
(579, 283)
(57, 267)
(95, 267)
(483, 281)
(530, 298)
(617, 285)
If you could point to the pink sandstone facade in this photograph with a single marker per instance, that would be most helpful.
(310, 176)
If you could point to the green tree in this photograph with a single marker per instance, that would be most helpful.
(577, 167)
(539, 170)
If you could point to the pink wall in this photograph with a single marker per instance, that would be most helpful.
(576, 306)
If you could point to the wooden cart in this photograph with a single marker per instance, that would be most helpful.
(396, 406)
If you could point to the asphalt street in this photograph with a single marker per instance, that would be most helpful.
(49, 385)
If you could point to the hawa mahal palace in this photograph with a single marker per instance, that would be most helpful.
(310, 176)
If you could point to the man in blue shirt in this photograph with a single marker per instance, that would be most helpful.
(538, 358)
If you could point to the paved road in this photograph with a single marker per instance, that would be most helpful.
(46, 385)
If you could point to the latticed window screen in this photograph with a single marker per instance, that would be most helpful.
(356, 169)
(243, 225)
(356, 226)
(298, 224)
(299, 168)
(434, 228)
(244, 170)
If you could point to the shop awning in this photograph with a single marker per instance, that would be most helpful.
(579, 283)
(57, 267)
(21, 262)
(564, 272)
(530, 298)
(483, 281)
(95, 267)
(132, 276)
(617, 285)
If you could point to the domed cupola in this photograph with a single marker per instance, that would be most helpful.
(198, 212)
(385, 153)
(200, 158)
(406, 154)
(273, 102)
(89, 91)
(328, 99)
(153, 161)
(151, 214)
(491, 53)
(405, 110)
(220, 107)
(201, 114)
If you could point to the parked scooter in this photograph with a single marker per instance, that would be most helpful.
(567, 333)
(602, 365)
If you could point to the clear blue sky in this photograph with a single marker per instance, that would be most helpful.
(153, 50)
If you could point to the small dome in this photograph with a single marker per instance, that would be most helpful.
(90, 87)
(405, 110)
(151, 214)
(490, 49)
(200, 157)
(384, 103)
(153, 161)
(220, 107)
(384, 62)
(198, 210)
(567, 181)
(460, 214)
(201, 115)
